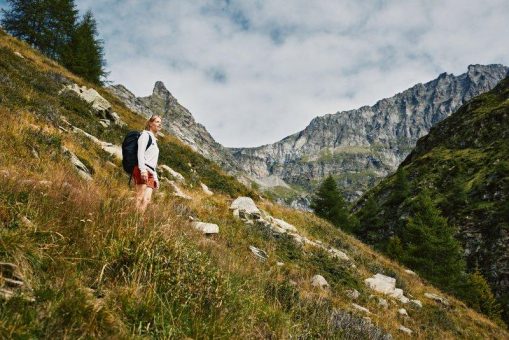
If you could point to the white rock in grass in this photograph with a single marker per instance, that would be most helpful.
(319, 281)
(176, 190)
(19, 55)
(246, 204)
(386, 285)
(82, 169)
(91, 96)
(338, 254)
(403, 312)
(260, 254)
(405, 330)
(174, 174)
(362, 309)
(411, 272)
(437, 298)
(206, 189)
(282, 224)
(353, 294)
(206, 228)
(416, 303)
(383, 303)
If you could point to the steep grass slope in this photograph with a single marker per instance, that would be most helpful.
(464, 164)
(91, 267)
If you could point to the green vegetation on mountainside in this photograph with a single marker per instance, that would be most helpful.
(94, 268)
(463, 165)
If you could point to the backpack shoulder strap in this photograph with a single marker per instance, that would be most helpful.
(149, 142)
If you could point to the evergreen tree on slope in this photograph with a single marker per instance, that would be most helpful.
(329, 204)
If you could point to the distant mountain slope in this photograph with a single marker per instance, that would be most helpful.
(464, 163)
(179, 122)
(359, 147)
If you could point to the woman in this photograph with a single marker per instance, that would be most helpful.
(144, 173)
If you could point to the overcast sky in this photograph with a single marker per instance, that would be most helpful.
(255, 71)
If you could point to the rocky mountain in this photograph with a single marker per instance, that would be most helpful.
(359, 147)
(178, 121)
(464, 165)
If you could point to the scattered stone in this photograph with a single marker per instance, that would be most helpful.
(386, 285)
(82, 169)
(383, 303)
(338, 254)
(260, 254)
(416, 303)
(362, 309)
(35, 153)
(282, 224)
(354, 326)
(16, 53)
(280, 264)
(26, 222)
(405, 330)
(104, 123)
(411, 272)
(12, 282)
(319, 281)
(437, 298)
(353, 294)
(91, 96)
(403, 312)
(174, 174)
(245, 204)
(206, 228)
(206, 189)
(177, 191)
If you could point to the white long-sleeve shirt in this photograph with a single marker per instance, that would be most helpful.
(149, 156)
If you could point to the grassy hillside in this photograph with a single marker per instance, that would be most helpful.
(93, 268)
(464, 166)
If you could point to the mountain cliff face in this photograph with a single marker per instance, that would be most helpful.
(359, 147)
(178, 121)
(464, 164)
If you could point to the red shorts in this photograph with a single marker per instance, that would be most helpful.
(151, 183)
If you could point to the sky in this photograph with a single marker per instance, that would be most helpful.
(254, 72)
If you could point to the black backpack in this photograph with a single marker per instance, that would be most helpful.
(130, 150)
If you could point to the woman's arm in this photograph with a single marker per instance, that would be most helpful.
(142, 146)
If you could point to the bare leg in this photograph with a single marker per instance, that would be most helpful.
(140, 194)
(143, 197)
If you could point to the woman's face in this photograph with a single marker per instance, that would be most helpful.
(155, 125)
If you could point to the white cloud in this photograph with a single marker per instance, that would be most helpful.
(254, 72)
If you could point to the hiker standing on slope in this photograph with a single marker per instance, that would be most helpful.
(144, 173)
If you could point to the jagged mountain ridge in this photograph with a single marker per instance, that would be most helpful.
(359, 147)
(178, 121)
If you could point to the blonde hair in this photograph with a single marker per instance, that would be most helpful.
(150, 120)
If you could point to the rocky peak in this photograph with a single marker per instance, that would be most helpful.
(161, 91)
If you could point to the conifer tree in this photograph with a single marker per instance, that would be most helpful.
(85, 55)
(47, 25)
(401, 187)
(329, 204)
(429, 245)
(369, 222)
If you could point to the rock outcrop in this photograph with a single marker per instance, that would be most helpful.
(359, 147)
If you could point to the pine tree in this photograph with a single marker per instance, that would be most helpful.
(329, 204)
(369, 222)
(479, 296)
(47, 25)
(430, 247)
(85, 56)
(401, 187)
